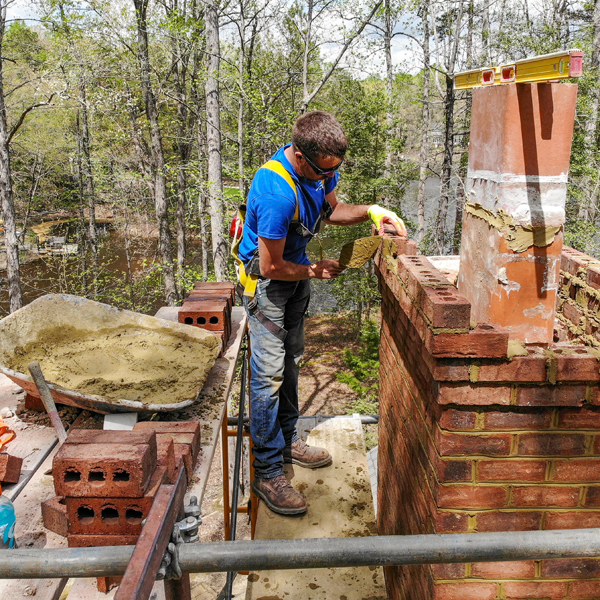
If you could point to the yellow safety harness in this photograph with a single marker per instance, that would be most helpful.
(249, 280)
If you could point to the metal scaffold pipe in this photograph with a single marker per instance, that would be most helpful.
(260, 555)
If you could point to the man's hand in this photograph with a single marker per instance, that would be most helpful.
(325, 269)
(380, 216)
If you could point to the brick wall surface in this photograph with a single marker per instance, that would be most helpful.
(477, 435)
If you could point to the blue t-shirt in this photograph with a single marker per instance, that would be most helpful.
(271, 205)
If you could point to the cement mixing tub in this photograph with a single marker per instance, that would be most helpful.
(104, 359)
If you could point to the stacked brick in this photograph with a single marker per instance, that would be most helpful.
(209, 306)
(106, 481)
(478, 434)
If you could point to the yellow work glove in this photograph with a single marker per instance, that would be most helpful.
(380, 216)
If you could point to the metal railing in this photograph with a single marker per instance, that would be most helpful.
(260, 555)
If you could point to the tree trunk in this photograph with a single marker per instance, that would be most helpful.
(179, 62)
(89, 183)
(202, 208)
(424, 152)
(587, 208)
(158, 158)
(448, 134)
(307, 40)
(81, 233)
(13, 272)
(389, 90)
(213, 139)
(446, 165)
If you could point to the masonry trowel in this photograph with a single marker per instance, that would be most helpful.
(356, 253)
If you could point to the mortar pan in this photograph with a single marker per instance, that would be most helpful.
(25, 325)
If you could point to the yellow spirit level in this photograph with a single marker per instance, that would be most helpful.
(548, 67)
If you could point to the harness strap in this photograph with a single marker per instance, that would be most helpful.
(248, 279)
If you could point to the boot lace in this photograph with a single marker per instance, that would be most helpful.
(280, 483)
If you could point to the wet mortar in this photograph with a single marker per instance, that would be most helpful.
(148, 366)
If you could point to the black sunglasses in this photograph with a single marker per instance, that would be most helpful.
(318, 170)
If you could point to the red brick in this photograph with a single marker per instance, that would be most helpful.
(593, 278)
(105, 584)
(422, 274)
(445, 307)
(579, 418)
(470, 496)
(174, 427)
(572, 520)
(512, 470)
(109, 470)
(166, 458)
(456, 444)
(572, 261)
(100, 436)
(448, 571)
(577, 367)
(542, 495)
(511, 419)
(457, 420)
(584, 590)
(587, 470)
(597, 444)
(34, 403)
(54, 515)
(551, 395)
(592, 497)
(473, 394)
(551, 444)
(524, 569)
(454, 470)
(572, 312)
(112, 516)
(210, 296)
(183, 453)
(90, 541)
(548, 590)
(465, 591)
(485, 341)
(508, 521)
(531, 369)
(213, 315)
(450, 369)
(10, 468)
(450, 522)
(571, 568)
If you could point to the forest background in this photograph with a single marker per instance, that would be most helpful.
(157, 114)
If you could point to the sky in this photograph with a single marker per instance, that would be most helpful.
(21, 9)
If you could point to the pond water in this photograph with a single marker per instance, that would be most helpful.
(63, 274)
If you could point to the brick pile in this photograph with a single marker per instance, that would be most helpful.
(208, 306)
(478, 434)
(106, 481)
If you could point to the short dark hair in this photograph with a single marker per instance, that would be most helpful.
(319, 134)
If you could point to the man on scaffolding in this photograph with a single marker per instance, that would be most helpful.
(290, 196)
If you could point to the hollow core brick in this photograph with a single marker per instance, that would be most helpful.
(103, 470)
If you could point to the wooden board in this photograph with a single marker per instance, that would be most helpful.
(339, 505)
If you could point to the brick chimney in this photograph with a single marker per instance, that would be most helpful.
(512, 234)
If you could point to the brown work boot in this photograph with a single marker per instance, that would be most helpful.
(279, 495)
(303, 455)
